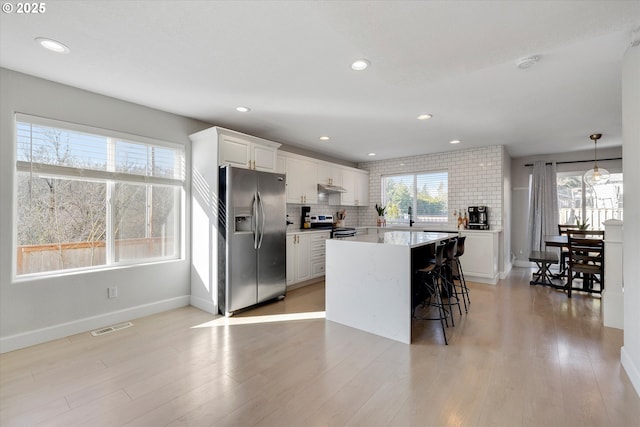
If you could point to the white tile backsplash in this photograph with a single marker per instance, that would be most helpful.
(475, 178)
(323, 207)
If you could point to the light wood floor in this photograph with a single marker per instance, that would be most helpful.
(523, 356)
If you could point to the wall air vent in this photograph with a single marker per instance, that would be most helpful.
(110, 329)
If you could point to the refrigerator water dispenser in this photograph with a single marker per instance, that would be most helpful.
(242, 222)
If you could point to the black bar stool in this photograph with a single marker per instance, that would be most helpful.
(448, 275)
(458, 274)
(430, 290)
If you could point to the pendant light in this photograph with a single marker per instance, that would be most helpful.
(596, 176)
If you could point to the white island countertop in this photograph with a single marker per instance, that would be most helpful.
(431, 228)
(411, 239)
(368, 282)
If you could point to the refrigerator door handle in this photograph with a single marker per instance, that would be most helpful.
(263, 216)
(254, 222)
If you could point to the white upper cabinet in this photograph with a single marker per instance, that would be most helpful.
(305, 173)
(349, 183)
(246, 151)
(329, 174)
(281, 164)
(302, 185)
(264, 157)
(362, 189)
(356, 183)
(234, 151)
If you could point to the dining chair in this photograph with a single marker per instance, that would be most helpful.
(593, 234)
(563, 230)
(586, 257)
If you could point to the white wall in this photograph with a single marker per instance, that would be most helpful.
(631, 229)
(505, 253)
(520, 187)
(38, 310)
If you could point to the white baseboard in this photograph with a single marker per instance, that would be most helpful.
(38, 336)
(479, 279)
(506, 271)
(631, 369)
(204, 305)
(612, 303)
(305, 283)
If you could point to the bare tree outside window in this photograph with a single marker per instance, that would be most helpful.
(71, 183)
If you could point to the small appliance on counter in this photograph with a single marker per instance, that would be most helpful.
(305, 220)
(478, 218)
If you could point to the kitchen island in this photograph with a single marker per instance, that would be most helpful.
(368, 280)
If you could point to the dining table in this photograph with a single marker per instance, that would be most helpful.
(555, 241)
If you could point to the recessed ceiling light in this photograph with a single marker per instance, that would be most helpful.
(360, 64)
(243, 109)
(371, 154)
(324, 138)
(52, 45)
(455, 141)
(528, 62)
(424, 116)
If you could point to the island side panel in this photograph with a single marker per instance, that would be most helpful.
(368, 287)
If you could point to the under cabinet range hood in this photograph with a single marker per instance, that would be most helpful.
(329, 188)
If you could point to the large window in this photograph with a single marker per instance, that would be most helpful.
(89, 198)
(591, 203)
(424, 196)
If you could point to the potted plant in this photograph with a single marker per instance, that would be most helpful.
(582, 225)
(381, 210)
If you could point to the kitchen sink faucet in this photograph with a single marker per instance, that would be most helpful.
(411, 221)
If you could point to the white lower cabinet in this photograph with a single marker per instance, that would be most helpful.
(305, 256)
(318, 252)
(480, 259)
(298, 258)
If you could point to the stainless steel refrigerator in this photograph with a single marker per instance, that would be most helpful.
(252, 227)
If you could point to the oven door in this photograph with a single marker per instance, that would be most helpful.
(341, 233)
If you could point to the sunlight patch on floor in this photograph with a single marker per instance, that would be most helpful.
(270, 318)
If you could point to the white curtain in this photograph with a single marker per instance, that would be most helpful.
(543, 204)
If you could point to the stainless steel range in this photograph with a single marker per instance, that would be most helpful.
(342, 232)
(321, 221)
(326, 222)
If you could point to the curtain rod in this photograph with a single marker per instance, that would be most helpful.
(578, 161)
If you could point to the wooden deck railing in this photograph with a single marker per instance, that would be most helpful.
(64, 256)
(595, 217)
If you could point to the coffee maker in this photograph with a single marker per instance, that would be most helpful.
(305, 220)
(478, 217)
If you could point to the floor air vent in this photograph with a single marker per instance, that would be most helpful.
(110, 329)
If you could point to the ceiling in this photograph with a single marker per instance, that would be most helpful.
(289, 61)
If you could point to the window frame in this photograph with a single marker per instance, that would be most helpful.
(110, 178)
(584, 191)
(414, 196)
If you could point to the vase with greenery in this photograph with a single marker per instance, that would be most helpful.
(582, 225)
(381, 210)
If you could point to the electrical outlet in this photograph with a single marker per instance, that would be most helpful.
(113, 291)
